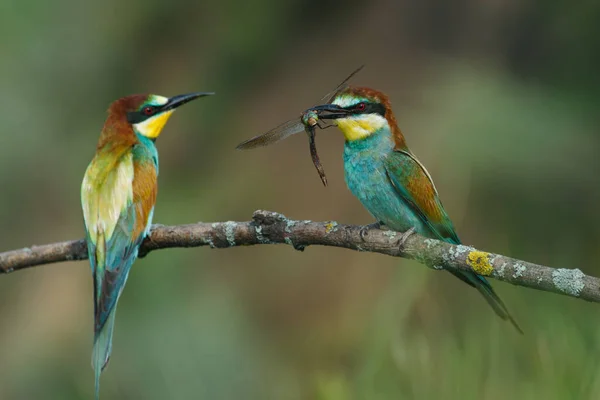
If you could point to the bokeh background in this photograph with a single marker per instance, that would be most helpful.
(499, 99)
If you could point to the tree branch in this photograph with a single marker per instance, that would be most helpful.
(272, 228)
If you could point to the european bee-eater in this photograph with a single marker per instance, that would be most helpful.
(388, 179)
(118, 194)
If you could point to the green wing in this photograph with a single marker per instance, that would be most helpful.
(413, 184)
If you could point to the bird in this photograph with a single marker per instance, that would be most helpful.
(389, 181)
(118, 194)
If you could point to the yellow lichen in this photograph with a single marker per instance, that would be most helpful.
(330, 226)
(480, 262)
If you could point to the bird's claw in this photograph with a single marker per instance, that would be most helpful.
(366, 228)
(405, 236)
(143, 252)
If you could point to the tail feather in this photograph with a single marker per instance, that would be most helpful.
(102, 348)
(484, 287)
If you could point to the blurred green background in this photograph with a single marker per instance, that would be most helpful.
(499, 99)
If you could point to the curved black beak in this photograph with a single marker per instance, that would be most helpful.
(333, 111)
(180, 100)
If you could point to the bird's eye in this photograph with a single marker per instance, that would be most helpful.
(148, 110)
(361, 107)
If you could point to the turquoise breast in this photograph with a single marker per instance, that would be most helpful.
(366, 178)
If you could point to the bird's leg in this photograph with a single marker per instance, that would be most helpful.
(405, 236)
(364, 229)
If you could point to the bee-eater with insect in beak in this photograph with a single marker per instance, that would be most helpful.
(118, 194)
(388, 179)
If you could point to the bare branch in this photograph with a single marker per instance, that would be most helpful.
(272, 228)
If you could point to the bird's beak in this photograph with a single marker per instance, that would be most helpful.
(180, 100)
(332, 111)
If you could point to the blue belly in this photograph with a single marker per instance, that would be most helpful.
(366, 178)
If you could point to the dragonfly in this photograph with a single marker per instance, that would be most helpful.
(308, 121)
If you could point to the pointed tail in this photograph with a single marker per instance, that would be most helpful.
(102, 348)
(484, 287)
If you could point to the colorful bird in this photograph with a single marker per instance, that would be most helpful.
(388, 179)
(118, 194)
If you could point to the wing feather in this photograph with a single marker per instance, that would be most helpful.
(414, 185)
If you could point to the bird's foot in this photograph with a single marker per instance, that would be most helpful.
(366, 228)
(405, 236)
(151, 244)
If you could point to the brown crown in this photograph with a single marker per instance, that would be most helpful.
(126, 104)
(379, 97)
(117, 130)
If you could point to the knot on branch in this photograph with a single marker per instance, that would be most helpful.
(262, 217)
(271, 225)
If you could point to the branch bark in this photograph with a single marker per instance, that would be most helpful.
(268, 227)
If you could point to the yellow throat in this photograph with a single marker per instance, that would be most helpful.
(152, 127)
(360, 126)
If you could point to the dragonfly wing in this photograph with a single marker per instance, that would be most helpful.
(276, 134)
(328, 98)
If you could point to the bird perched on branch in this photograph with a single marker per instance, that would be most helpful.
(118, 194)
(388, 179)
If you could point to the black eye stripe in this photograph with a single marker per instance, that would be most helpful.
(370, 108)
(374, 108)
(135, 117)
